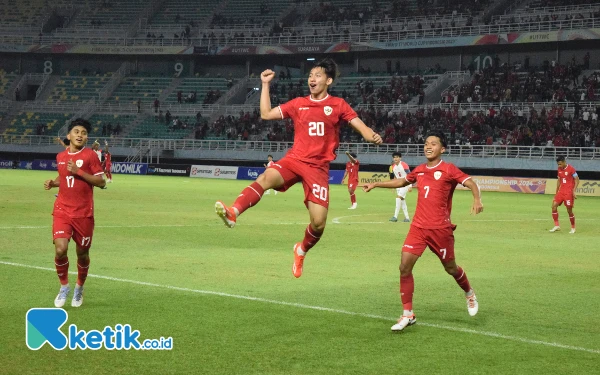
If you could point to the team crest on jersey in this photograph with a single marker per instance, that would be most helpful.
(328, 110)
(437, 175)
(79, 163)
(566, 173)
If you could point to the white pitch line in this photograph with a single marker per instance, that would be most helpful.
(320, 308)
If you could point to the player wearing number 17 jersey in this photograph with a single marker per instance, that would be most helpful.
(317, 119)
(566, 188)
(431, 226)
(79, 170)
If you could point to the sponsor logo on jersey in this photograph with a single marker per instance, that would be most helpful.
(420, 174)
(328, 110)
(303, 108)
(79, 163)
(437, 175)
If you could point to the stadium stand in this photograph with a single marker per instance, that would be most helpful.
(6, 80)
(179, 127)
(36, 123)
(144, 89)
(78, 88)
(206, 90)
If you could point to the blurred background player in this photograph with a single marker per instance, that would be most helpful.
(400, 169)
(269, 163)
(352, 173)
(431, 226)
(317, 120)
(79, 170)
(96, 148)
(107, 163)
(566, 191)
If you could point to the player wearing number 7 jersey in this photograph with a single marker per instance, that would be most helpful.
(79, 170)
(317, 119)
(431, 226)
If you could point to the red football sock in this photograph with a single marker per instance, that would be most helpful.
(82, 270)
(461, 280)
(572, 219)
(311, 237)
(353, 198)
(407, 289)
(249, 197)
(62, 269)
(555, 217)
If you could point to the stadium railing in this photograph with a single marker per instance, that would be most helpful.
(477, 151)
(358, 37)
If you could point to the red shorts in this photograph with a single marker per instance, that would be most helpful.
(566, 198)
(80, 228)
(352, 186)
(440, 241)
(315, 179)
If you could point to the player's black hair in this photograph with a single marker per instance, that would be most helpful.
(560, 158)
(353, 154)
(270, 156)
(66, 141)
(441, 136)
(80, 122)
(329, 67)
(397, 153)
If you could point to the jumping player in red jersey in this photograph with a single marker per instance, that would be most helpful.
(431, 226)
(566, 191)
(79, 170)
(107, 163)
(317, 119)
(269, 163)
(352, 172)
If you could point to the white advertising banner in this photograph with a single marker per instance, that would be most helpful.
(211, 171)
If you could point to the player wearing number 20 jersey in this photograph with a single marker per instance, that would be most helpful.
(79, 170)
(317, 120)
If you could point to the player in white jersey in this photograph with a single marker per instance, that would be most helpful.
(269, 163)
(400, 170)
(96, 148)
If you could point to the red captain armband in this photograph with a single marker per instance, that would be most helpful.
(80, 172)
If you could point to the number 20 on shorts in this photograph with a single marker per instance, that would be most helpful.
(320, 192)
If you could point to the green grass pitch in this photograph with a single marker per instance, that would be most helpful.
(163, 262)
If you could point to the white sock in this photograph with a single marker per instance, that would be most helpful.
(404, 208)
(407, 313)
(470, 293)
(299, 251)
(398, 205)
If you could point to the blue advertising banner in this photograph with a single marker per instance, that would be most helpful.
(44, 165)
(129, 168)
(336, 177)
(245, 173)
(6, 164)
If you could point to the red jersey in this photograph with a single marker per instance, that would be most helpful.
(352, 170)
(436, 187)
(107, 159)
(566, 180)
(316, 127)
(75, 195)
(270, 163)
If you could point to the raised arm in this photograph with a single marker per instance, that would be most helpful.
(392, 184)
(106, 146)
(366, 132)
(477, 206)
(266, 112)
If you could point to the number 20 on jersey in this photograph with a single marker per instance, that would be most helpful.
(316, 129)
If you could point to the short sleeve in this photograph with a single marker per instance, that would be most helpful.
(348, 113)
(457, 175)
(94, 164)
(411, 177)
(288, 109)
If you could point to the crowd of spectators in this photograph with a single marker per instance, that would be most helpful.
(553, 82)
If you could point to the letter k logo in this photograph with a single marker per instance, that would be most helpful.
(43, 325)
